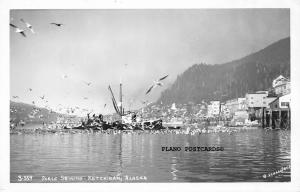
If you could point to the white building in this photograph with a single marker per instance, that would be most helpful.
(257, 99)
(232, 104)
(235, 105)
(215, 108)
(281, 85)
(225, 111)
(209, 111)
(284, 101)
(174, 107)
(256, 102)
(242, 104)
(281, 103)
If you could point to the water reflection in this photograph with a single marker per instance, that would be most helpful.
(247, 156)
(173, 168)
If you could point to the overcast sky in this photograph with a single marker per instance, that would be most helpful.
(94, 46)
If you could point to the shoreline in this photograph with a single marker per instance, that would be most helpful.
(187, 130)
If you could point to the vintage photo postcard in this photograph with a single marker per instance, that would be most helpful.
(111, 96)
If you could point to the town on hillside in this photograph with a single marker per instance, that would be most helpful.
(268, 108)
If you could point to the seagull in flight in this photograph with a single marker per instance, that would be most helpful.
(18, 30)
(43, 97)
(88, 83)
(15, 97)
(57, 24)
(28, 25)
(146, 103)
(64, 76)
(156, 83)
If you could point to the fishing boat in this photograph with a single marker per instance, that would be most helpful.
(126, 121)
(129, 119)
(174, 124)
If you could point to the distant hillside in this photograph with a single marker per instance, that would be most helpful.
(23, 111)
(233, 79)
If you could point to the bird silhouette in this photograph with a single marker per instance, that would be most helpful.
(156, 83)
(163, 78)
(64, 76)
(57, 24)
(88, 83)
(29, 26)
(42, 97)
(18, 30)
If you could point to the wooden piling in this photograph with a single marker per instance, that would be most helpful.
(280, 119)
(271, 119)
(263, 118)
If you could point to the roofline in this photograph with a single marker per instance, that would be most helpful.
(256, 93)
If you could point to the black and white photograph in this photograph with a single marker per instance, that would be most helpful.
(154, 95)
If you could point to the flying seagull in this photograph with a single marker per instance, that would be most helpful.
(64, 76)
(18, 30)
(57, 24)
(156, 83)
(43, 97)
(146, 103)
(88, 83)
(15, 97)
(28, 25)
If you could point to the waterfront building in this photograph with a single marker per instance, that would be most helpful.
(174, 107)
(240, 118)
(256, 100)
(215, 107)
(225, 111)
(281, 85)
(234, 105)
(209, 111)
(242, 106)
(278, 112)
(256, 103)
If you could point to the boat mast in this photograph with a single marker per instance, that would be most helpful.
(114, 101)
(121, 105)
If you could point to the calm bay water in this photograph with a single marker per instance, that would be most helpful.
(247, 156)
